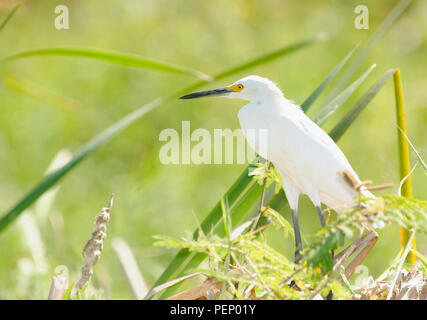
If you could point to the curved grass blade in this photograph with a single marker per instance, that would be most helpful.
(316, 93)
(42, 94)
(9, 16)
(124, 59)
(347, 120)
(114, 130)
(84, 151)
(388, 22)
(420, 160)
(157, 289)
(332, 106)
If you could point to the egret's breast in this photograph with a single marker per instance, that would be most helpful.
(255, 121)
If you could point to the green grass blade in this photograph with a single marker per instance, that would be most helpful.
(87, 149)
(333, 105)
(265, 58)
(388, 22)
(39, 93)
(404, 166)
(9, 16)
(226, 218)
(106, 136)
(346, 121)
(316, 93)
(269, 57)
(124, 59)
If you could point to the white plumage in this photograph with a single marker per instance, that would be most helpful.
(307, 159)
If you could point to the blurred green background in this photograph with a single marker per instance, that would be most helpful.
(152, 198)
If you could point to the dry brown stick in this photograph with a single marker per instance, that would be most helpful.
(93, 247)
(352, 248)
(352, 181)
(168, 284)
(265, 226)
(369, 244)
(57, 288)
(349, 178)
(370, 238)
(380, 187)
(199, 292)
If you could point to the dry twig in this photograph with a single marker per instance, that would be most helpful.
(57, 288)
(201, 292)
(92, 249)
(367, 243)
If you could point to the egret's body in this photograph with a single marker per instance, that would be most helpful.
(307, 159)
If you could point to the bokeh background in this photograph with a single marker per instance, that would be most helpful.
(152, 198)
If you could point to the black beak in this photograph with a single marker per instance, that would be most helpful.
(208, 93)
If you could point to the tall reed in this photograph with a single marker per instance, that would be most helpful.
(405, 167)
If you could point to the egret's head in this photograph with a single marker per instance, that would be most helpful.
(249, 88)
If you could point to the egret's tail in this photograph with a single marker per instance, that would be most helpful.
(367, 194)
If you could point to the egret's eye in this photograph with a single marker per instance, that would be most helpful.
(236, 87)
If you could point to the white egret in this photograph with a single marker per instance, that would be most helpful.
(307, 159)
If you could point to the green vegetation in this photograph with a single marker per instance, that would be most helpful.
(168, 46)
(259, 270)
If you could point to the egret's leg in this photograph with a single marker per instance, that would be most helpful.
(321, 216)
(314, 197)
(298, 242)
(323, 222)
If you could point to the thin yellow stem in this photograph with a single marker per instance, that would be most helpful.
(405, 167)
